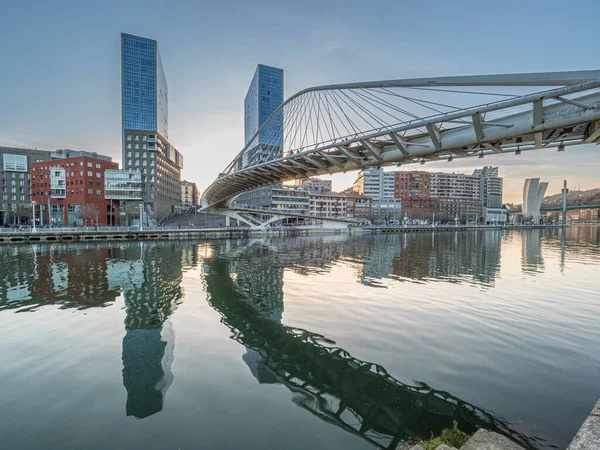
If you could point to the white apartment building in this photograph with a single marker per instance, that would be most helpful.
(376, 184)
(327, 205)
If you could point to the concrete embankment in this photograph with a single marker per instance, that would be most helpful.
(588, 436)
(120, 234)
(90, 235)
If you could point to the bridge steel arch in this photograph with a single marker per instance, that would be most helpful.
(345, 127)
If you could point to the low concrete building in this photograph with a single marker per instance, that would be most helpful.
(387, 210)
(280, 198)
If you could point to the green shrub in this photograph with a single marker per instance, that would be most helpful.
(453, 437)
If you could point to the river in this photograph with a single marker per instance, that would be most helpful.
(320, 342)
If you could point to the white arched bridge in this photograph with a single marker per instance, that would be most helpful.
(345, 127)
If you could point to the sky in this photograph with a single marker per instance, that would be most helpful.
(60, 71)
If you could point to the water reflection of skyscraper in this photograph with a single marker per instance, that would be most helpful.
(93, 275)
(153, 295)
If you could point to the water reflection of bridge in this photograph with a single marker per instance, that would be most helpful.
(244, 280)
(359, 397)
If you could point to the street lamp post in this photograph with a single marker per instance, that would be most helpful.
(33, 208)
(433, 220)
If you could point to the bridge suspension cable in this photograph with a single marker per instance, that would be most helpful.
(336, 128)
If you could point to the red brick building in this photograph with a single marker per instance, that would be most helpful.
(71, 191)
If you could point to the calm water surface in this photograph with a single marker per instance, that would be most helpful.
(311, 342)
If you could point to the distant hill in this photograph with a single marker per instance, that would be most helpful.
(574, 198)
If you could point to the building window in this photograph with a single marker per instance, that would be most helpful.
(144, 146)
(98, 174)
(89, 191)
(151, 155)
(129, 146)
(128, 137)
(98, 192)
(144, 138)
(89, 164)
(97, 166)
(90, 174)
(137, 154)
(129, 154)
(137, 146)
(129, 162)
(137, 138)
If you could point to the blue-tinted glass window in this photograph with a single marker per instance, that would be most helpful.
(138, 84)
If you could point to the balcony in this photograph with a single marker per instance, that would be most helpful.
(58, 193)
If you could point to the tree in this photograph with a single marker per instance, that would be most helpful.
(90, 212)
(20, 213)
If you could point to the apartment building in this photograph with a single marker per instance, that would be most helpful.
(71, 191)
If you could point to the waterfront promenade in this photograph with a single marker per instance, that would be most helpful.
(85, 234)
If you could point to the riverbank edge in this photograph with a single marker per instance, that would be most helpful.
(588, 436)
(87, 235)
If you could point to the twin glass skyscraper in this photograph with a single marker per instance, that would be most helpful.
(264, 96)
(145, 116)
(144, 86)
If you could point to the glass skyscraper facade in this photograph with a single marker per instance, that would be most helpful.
(139, 69)
(145, 116)
(264, 96)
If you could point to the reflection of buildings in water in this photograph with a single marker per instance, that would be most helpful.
(474, 255)
(17, 273)
(584, 234)
(68, 274)
(94, 274)
(531, 251)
